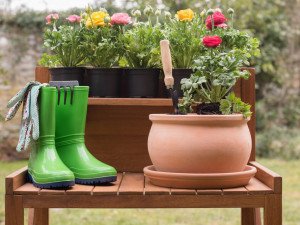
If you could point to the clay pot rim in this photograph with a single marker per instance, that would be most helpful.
(196, 117)
(150, 170)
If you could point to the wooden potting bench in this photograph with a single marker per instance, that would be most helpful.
(116, 133)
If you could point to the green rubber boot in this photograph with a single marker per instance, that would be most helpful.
(45, 168)
(69, 139)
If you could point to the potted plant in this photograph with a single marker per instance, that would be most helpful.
(217, 138)
(66, 42)
(103, 49)
(184, 32)
(142, 57)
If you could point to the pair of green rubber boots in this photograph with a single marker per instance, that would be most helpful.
(59, 158)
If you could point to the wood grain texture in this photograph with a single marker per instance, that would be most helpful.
(79, 189)
(268, 177)
(132, 184)
(15, 180)
(14, 211)
(273, 210)
(27, 189)
(109, 189)
(257, 187)
(235, 191)
(248, 96)
(251, 216)
(38, 216)
(131, 101)
(151, 189)
(42, 74)
(144, 201)
(179, 191)
(209, 192)
(52, 192)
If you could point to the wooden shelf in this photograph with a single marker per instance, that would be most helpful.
(131, 101)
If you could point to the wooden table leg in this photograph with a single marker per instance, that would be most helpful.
(251, 216)
(38, 216)
(273, 210)
(14, 211)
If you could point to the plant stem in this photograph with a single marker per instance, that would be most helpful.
(212, 23)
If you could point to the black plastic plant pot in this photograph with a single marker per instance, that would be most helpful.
(142, 83)
(68, 73)
(105, 82)
(178, 75)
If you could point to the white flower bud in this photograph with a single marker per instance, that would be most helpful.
(230, 11)
(218, 10)
(210, 12)
(148, 10)
(168, 14)
(203, 13)
(103, 10)
(157, 12)
(137, 13)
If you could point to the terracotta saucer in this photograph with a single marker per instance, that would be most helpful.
(199, 180)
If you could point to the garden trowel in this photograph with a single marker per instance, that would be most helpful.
(169, 80)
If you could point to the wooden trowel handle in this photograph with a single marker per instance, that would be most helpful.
(167, 63)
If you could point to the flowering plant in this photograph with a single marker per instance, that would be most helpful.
(185, 32)
(65, 41)
(141, 43)
(102, 39)
(226, 50)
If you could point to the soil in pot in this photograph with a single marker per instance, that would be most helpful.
(209, 109)
(142, 82)
(68, 73)
(104, 82)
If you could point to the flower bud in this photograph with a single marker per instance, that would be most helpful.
(218, 10)
(107, 19)
(203, 13)
(148, 10)
(103, 10)
(157, 12)
(168, 15)
(135, 24)
(137, 13)
(88, 9)
(230, 11)
(210, 12)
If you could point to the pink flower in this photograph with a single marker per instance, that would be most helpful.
(120, 18)
(52, 18)
(223, 25)
(74, 18)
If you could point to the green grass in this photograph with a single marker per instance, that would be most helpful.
(290, 170)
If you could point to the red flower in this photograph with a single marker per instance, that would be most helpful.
(212, 41)
(219, 19)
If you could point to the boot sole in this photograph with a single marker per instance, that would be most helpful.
(100, 180)
(63, 184)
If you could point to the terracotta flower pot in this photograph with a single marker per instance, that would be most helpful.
(199, 143)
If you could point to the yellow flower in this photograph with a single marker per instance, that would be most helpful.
(185, 15)
(98, 19)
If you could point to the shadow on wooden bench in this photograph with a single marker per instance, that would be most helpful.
(116, 133)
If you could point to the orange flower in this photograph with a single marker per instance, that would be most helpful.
(98, 19)
(185, 15)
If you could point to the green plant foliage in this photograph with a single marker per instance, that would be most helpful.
(66, 43)
(48, 60)
(103, 46)
(141, 45)
(185, 40)
(233, 104)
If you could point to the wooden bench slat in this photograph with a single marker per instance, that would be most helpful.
(109, 189)
(257, 187)
(234, 191)
(15, 180)
(52, 192)
(132, 184)
(79, 189)
(27, 189)
(209, 191)
(179, 191)
(151, 189)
